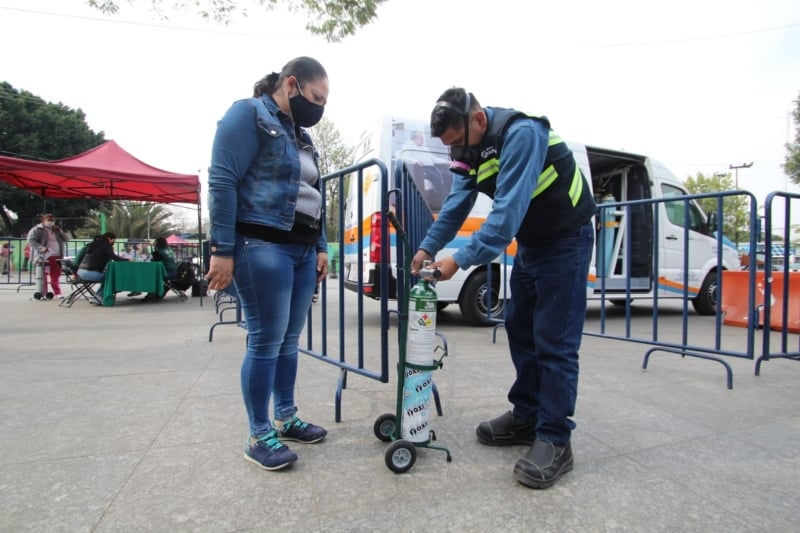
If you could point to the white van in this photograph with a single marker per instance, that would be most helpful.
(614, 176)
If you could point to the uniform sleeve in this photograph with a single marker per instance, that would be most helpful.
(451, 217)
(521, 162)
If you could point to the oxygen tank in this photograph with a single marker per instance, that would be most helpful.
(420, 347)
(608, 223)
(40, 275)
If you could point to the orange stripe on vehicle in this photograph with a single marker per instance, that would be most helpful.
(675, 285)
(470, 225)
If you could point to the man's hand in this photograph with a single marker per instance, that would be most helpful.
(419, 260)
(220, 272)
(447, 266)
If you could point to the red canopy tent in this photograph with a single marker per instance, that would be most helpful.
(106, 172)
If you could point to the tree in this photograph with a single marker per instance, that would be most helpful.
(734, 218)
(334, 155)
(31, 128)
(792, 165)
(133, 220)
(334, 19)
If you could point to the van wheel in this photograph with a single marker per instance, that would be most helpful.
(478, 299)
(706, 301)
(441, 306)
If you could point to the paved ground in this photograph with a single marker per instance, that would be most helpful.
(129, 419)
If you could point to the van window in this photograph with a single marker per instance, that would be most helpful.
(675, 210)
(426, 159)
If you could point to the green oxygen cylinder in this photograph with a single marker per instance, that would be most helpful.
(420, 347)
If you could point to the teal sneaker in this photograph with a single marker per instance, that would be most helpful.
(298, 431)
(268, 452)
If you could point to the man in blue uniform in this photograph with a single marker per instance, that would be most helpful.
(541, 198)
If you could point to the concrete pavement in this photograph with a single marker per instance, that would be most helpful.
(128, 419)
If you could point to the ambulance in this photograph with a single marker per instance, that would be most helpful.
(626, 263)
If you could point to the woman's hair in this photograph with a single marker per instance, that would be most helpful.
(109, 236)
(161, 242)
(305, 69)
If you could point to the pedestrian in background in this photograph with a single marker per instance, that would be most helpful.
(6, 264)
(49, 242)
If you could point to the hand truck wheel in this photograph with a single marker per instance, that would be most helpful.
(401, 456)
(385, 427)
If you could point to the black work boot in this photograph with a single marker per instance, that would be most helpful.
(506, 430)
(544, 463)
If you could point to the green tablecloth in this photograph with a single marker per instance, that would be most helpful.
(131, 276)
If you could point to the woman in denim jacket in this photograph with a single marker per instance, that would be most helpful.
(265, 201)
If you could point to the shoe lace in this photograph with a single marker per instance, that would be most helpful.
(295, 422)
(270, 440)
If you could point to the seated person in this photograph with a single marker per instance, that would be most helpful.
(96, 256)
(81, 253)
(163, 254)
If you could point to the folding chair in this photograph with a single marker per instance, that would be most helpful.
(182, 282)
(80, 287)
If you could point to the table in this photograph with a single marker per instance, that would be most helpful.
(133, 276)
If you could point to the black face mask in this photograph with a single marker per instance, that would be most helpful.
(463, 159)
(304, 112)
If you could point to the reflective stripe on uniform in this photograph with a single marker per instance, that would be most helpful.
(576, 187)
(490, 168)
(487, 169)
(546, 179)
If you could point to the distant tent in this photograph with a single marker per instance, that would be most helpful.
(176, 239)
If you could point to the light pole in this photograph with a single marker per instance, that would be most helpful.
(736, 168)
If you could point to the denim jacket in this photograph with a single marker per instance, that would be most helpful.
(255, 172)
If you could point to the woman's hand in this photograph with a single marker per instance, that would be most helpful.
(322, 265)
(220, 272)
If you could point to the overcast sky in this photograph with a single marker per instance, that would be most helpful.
(698, 85)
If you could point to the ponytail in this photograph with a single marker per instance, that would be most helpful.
(267, 85)
(304, 69)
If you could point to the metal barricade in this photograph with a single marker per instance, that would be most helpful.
(17, 268)
(321, 348)
(782, 287)
(704, 348)
(760, 308)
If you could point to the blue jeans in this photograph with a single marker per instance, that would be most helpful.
(274, 283)
(93, 275)
(544, 321)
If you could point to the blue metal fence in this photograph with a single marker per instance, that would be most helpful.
(788, 313)
(322, 348)
(759, 316)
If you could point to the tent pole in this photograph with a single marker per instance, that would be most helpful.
(200, 251)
